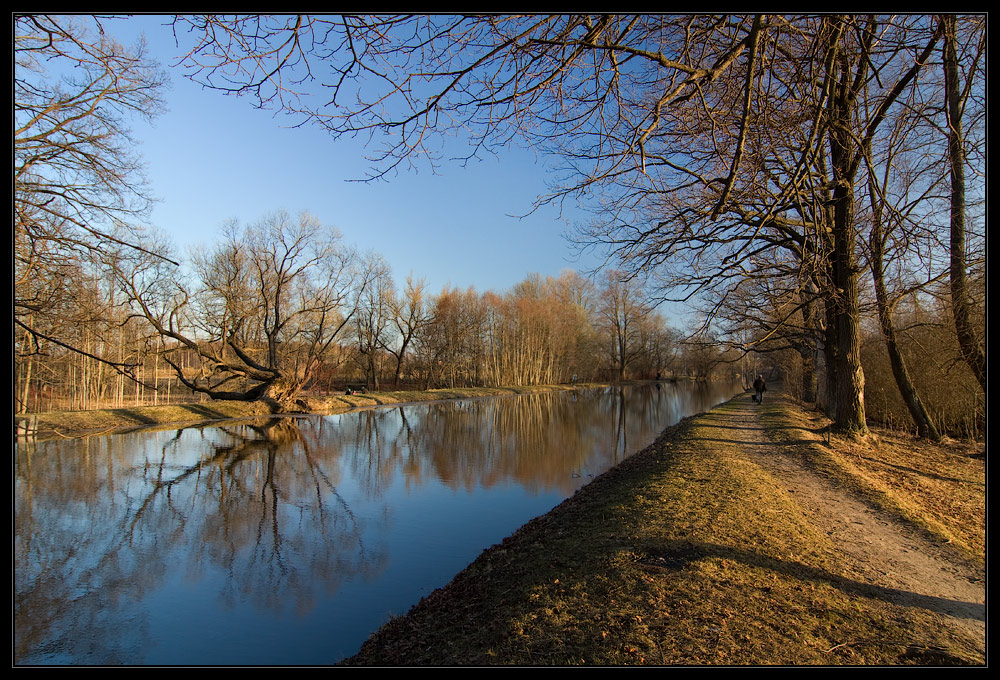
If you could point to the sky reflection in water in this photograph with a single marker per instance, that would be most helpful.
(289, 541)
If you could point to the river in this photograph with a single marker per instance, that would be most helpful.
(290, 540)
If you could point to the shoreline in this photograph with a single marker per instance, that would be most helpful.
(96, 422)
(701, 550)
(744, 535)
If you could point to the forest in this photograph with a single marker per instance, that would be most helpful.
(813, 184)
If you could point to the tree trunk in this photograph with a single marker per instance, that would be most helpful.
(373, 372)
(26, 386)
(922, 419)
(808, 355)
(850, 377)
(971, 345)
(26, 358)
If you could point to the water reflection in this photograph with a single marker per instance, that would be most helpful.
(290, 540)
(98, 529)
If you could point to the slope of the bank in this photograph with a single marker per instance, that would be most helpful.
(690, 552)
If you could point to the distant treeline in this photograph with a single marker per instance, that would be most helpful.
(544, 330)
(144, 336)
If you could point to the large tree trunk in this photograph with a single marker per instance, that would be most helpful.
(850, 377)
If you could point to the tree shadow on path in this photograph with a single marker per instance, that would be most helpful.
(678, 554)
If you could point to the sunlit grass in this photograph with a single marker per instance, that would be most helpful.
(940, 487)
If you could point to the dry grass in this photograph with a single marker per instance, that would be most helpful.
(939, 486)
(67, 424)
(685, 554)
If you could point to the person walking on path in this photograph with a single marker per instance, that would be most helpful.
(760, 388)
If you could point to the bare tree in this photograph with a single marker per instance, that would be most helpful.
(78, 185)
(373, 317)
(622, 310)
(270, 301)
(957, 96)
(409, 316)
(452, 343)
(922, 419)
(900, 182)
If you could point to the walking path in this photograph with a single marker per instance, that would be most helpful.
(876, 550)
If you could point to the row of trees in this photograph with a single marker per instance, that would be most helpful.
(283, 305)
(783, 170)
(543, 331)
(79, 193)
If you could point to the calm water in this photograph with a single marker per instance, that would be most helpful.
(289, 541)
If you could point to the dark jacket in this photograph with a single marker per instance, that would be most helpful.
(758, 385)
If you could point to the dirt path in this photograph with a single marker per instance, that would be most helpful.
(874, 548)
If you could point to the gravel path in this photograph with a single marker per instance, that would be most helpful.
(885, 555)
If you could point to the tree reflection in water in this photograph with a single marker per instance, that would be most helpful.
(277, 516)
(96, 533)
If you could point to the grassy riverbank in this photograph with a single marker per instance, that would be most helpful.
(692, 553)
(67, 424)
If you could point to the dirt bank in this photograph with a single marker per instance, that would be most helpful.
(741, 537)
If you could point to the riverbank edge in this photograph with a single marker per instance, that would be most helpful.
(685, 554)
(77, 424)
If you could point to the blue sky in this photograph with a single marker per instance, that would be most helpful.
(211, 158)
